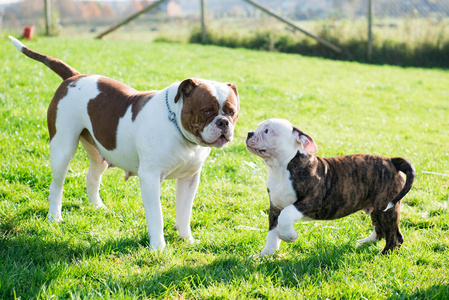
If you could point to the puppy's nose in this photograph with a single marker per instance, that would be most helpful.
(250, 134)
(222, 123)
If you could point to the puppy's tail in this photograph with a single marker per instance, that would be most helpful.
(407, 168)
(58, 66)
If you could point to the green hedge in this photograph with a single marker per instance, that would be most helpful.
(386, 51)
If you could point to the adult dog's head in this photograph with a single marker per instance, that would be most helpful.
(209, 112)
(278, 139)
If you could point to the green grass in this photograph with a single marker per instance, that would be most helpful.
(346, 107)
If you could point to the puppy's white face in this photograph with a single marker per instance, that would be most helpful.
(210, 111)
(278, 139)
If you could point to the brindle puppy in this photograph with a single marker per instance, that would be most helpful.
(304, 186)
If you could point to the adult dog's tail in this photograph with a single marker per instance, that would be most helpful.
(407, 168)
(58, 66)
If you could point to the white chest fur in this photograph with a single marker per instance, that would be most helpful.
(280, 188)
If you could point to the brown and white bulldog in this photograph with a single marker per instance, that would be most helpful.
(304, 186)
(156, 135)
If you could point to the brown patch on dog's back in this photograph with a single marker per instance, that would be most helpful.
(106, 110)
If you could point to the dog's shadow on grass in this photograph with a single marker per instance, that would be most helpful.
(437, 291)
(233, 270)
(29, 263)
(31, 259)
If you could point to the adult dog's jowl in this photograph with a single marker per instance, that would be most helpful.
(156, 135)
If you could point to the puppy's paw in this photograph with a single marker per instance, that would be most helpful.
(370, 239)
(287, 234)
(363, 241)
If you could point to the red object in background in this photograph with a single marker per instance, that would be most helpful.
(28, 32)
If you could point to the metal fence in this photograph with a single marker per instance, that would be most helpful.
(78, 12)
(106, 13)
(317, 9)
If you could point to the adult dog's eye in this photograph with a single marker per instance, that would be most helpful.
(266, 131)
(206, 113)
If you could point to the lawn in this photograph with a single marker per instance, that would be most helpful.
(346, 107)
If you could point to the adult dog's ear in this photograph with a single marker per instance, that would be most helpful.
(306, 141)
(234, 89)
(185, 88)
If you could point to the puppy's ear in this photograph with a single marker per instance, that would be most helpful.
(307, 143)
(185, 88)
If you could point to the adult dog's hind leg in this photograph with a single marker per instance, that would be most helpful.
(62, 149)
(93, 178)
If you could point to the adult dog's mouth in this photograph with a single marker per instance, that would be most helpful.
(221, 141)
(218, 143)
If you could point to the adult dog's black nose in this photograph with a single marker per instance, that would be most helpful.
(222, 123)
(250, 134)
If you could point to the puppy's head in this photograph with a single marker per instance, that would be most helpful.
(278, 139)
(209, 112)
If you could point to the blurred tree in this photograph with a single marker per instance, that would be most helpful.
(32, 9)
(106, 11)
(94, 9)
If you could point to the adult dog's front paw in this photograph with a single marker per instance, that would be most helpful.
(191, 240)
(287, 233)
(53, 218)
(264, 252)
(100, 206)
(158, 246)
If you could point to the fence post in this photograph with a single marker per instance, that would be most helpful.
(370, 31)
(47, 17)
(203, 24)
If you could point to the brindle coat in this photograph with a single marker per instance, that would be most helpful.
(332, 188)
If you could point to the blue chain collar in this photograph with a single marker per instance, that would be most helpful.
(172, 118)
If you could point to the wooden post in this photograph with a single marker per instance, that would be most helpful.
(203, 24)
(369, 53)
(288, 22)
(47, 17)
(129, 19)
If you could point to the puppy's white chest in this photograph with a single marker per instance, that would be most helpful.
(280, 189)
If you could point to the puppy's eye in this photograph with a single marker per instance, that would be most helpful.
(231, 113)
(267, 131)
